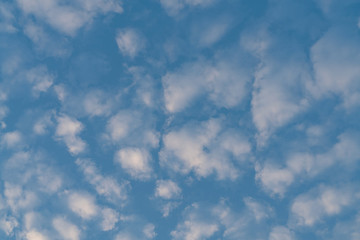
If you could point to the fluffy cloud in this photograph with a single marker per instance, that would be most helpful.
(277, 179)
(66, 230)
(167, 189)
(104, 185)
(11, 139)
(67, 130)
(130, 42)
(135, 161)
(110, 218)
(68, 18)
(203, 150)
(223, 82)
(173, 7)
(83, 204)
(202, 221)
(310, 208)
(121, 125)
(97, 104)
(34, 235)
(8, 224)
(281, 233)
(40, 78)
(334, 58)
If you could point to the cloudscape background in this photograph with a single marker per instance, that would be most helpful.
(180, 119)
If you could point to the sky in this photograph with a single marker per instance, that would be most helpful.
(179, 119)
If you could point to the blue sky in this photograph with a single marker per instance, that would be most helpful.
(179, 119)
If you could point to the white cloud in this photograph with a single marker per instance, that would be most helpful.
(83, 204)
(310, 208)
(18, 198)
(205, 35)
(173, 7)
(335, 58)
(60, 92)
(41, 125)
(135, 161)
(258, 210)
(120, 125)
(192, 229)
(130, 42)
(68, 18)
(35, 235)
(202, 149)
(96, 104)
(110, 218)
(274, 179)
(11, 139)
(168, 207)
(149, 231)
(67, 130)
(8, 224)
(45, 42)
(281, 233)
(347, 229)
(167, 189)
(67, 230)
(280, 82)
(104, 185)
(223, 82)
(7, 18)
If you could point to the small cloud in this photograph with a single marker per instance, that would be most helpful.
(83, 205)
(167, 189)
(11, 139)
(281, 233)
(135, 161)
(105, 185)
(130, 42)
(66, 230)
(110, 218)
(67, 130)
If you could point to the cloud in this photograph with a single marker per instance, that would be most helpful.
(8, 224)
(41, 79)
(110, 218)
(83, 205)
(68, 18)
(67, 130)
(276, 179)
(34, 235)
(11, 139)
(334, 57)
(66, 230)
(18, 198)
(97, 104)
(46, 43)
(195, 227)
(310, 208)
(258, 210)
(201, 148)
(224, 83)
(208, 33)
(281, 233)
(44, 122)
(203, 221)
(167, 189)
(130, 42)
(135, 162)
(120, 125)
(173, 7)
(105, 185)
(7, 18)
